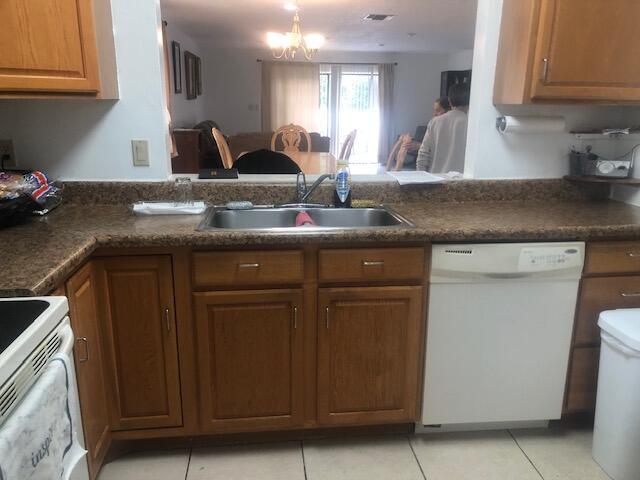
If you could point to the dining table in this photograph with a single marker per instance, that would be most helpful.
(314, 162)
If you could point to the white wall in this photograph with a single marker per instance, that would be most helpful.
(91, 139)
(493, 155)
(184, 113)
(233, 85)
(462, 60)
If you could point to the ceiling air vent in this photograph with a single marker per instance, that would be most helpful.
(378, 17)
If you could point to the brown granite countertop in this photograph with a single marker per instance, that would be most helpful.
(41, 253)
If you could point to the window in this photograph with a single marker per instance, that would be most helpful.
(349, 101)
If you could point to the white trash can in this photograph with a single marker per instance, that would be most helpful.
(616, 435)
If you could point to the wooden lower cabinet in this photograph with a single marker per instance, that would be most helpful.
(250, 348)
(137, 312)
(583, 379)
(80, 290)
(368, 354)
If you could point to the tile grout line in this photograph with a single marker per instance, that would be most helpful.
(416, 458)
(525, 454)
(186, 475)
(304, 463)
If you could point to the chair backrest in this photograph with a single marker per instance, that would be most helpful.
(399, 152)
(223, 148)
(291, 138)
(266, 161)
(347, 146)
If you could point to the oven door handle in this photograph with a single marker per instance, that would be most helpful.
(66, 336)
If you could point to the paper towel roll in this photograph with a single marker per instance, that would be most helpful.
(530, 124)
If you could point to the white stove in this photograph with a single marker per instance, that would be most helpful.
(34, 332)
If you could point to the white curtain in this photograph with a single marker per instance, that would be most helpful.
(386, 72)
(290, 94)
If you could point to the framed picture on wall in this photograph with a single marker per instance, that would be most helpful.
(177, 67)
(198, 76)
(190, 74)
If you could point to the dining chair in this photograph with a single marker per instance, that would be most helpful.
(266, 161)
(347, 146)
(223, 148)
(399, 152)
(291, 138)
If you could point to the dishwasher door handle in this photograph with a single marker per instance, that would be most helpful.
(505, 276)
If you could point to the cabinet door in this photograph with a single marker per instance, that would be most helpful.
(588, 50)
(48, 46)
(89, 367)
(599, 294)
(250, 359)
(583, 380)
(368, 354)
(137, 306)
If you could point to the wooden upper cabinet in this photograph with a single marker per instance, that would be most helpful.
(48, 46)
(250, 349)
(137, 312)
(368, 354)
(555, 51)
(89, 367)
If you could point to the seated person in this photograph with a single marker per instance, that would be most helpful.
(443, 147)
(441, 106)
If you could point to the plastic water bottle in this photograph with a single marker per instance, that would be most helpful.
(342, 196)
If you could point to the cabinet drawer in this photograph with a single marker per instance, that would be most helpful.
(613, 257)
(247, 268)
(598, 295)
(583, 379)
(366, 264)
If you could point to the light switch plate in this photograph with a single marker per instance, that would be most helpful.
(140, 150)
(7, 154)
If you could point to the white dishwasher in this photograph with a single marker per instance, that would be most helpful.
(499, 331)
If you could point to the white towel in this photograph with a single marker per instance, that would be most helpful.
(169, 208)
(39, 440)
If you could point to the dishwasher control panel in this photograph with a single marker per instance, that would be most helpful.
(535, 259)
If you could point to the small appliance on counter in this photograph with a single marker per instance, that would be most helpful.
(588, 163)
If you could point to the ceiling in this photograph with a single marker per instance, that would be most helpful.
(438, 25)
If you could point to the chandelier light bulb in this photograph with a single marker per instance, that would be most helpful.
(314, 41)
(276, 40)
(287, 45)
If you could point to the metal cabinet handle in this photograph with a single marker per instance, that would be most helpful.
(167, 320)
(248, 265)
(545, 70)
(295, 317)
(633, 254)
(86, 349)
(367, 263)
(634, 294)
(326, 320)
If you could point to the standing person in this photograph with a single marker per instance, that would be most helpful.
(444, 144)
(441, 106)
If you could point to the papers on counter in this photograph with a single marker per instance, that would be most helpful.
(169, 208)
(415, 178)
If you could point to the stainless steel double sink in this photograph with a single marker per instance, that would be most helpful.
(284, 218)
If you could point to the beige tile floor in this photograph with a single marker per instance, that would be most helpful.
(558, 453)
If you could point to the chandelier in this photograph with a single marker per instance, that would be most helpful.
(286, 45)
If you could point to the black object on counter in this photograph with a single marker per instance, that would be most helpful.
(218, 173)
(16, 210)
(339, 203)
